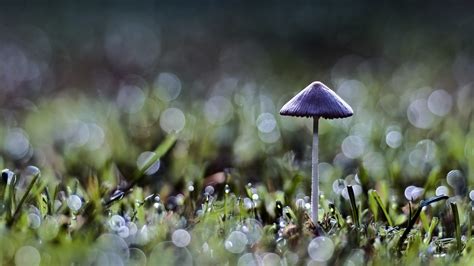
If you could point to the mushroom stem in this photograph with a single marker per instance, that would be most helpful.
(314, 173)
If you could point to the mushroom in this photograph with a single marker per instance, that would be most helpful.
(316, 100)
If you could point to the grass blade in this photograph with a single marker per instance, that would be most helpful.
(457, 226)
(373, 193)
(413, 219)
(355, 212)
(23, 199)
(161, 150)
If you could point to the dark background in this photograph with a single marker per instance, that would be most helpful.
(290, 40)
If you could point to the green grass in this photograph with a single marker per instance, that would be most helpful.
(238, 191)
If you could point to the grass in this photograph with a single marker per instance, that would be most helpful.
(238, 189)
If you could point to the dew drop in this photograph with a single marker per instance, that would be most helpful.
(27, 256)
(123, 232)
(149, 161)
(137, 257)
(248, 203)
(455, 178)
(181, 238)
(249, 259)
(34, 220)
(116, 222)
(442, 190)
(74, 202)
(48, 229)
(236, 242)
(338, 185)
(271, 259)
(321, 248)
(110, 243)
(209, 190)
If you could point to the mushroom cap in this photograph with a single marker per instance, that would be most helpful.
(317, 100)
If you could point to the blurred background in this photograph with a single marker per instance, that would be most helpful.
(90, 87)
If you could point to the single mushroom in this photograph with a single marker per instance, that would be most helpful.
(316, 100)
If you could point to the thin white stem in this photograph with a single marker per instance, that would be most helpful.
(314, 173)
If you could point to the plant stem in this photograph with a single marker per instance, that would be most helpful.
(314, 173)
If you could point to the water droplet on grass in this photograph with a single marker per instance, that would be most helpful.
(442, 190)
(27, 256)
(218, 110)
(357, 191)
(321, 248)
(271, 259)
(440, 102)
(34, 220)
(456, 180)
(130, 98)
(417, 192)
(338, 185)
(236, 242)
(181, 238)
(172, 120)
(74, 202)
(109, 259)
(132, 228)
(266, 123)
(209, 190)
(137, 257)
(353, 146)
(249, 259)
(393, 139)
(123, 232)
(413, 192)
(116, 222)
(248, 203)
(31, 171)
(8, 176)
(408, 191)
(419, 115)
(16, 143)
(145, 159)
(167, 86)
(48, 229)
(113, 244)
(253, 230)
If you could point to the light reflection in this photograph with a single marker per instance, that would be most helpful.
(440, 102)
(393, 139)
(167, 86)
(321, 249)
(16, 143)
(266, 123)
(353, 146)
(172, 120)
(27, 256)
(130, 98)
(419, 115)
(249, 259)
(218, 110)
(181, 238)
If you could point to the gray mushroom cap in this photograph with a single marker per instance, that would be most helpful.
(317, 100)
